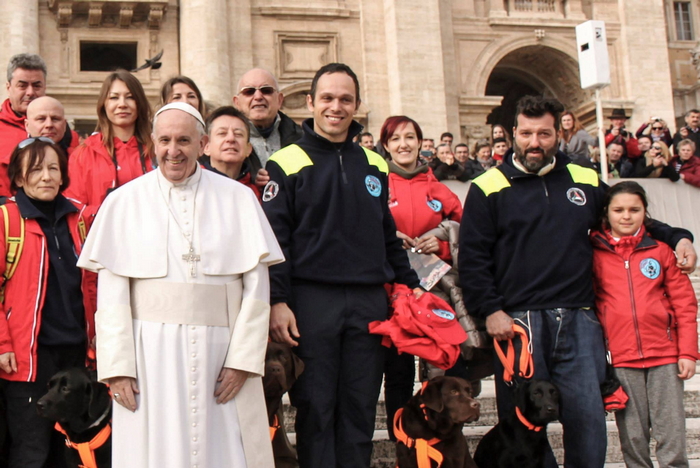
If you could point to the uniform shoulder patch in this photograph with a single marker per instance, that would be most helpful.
(291, 159)
(583, 175)
(374, 159)
(491, 181)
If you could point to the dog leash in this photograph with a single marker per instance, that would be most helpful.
(526, 368)
(425, 452)
(86, 450)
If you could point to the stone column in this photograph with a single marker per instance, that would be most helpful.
(19, 24)
(647, 76)
(204, 47)
(416, 75)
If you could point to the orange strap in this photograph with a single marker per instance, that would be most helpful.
(274, 427)
(87, 449)
(425, 452)
(526, 368)
(525, 422)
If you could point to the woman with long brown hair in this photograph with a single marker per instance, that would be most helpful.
(574, 140)
(120, 149)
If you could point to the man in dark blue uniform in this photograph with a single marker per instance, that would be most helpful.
(327, 203)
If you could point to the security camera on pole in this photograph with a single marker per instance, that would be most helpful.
(594, 68)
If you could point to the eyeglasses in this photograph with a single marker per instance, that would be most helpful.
(24, 143)
(657, 128)
(657, 148)
(250, 90)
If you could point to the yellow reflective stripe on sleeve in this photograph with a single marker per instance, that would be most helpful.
(583, 175)
(376, 160)
(291, 159)
(491, 181)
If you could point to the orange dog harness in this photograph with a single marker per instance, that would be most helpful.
(274, 427)
(87, 449)
(425, 452)
(526, 368)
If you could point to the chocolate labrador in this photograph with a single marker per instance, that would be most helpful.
(282, 368)
(435, 415)
(521, 440)
(83, 408)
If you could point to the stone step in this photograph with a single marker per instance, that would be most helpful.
(489, 416)
(384, 454)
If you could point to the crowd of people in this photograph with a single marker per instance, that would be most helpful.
(174, 242)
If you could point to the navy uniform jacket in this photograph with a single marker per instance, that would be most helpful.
(524, 241)
(327, 204)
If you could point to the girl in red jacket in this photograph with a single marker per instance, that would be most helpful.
(48, 308)
(120, 149)
(648, 311)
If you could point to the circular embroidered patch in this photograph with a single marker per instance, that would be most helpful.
(270, 191)
(446, 314)
(650, 268)
(435, 205)
(576, 196)
(374, 186)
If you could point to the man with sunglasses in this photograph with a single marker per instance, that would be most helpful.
(260, 100)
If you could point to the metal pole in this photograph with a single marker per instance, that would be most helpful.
(601, 136)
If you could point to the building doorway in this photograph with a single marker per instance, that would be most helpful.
(533, 70)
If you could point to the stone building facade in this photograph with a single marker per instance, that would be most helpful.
(453, 65)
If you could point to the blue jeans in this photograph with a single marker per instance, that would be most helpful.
(567, 349)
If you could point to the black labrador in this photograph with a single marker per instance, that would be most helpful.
(437, 413)
(516, 441)
(282, 368)
(83, 407)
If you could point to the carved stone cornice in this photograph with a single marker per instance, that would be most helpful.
(109, 13)
(95, 14)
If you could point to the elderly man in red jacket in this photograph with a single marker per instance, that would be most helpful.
(26, 81)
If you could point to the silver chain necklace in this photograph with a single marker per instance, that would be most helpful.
(190, 257)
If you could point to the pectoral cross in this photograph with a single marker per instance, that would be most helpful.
(191, 258)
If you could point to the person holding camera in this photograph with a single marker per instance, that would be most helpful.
(618, 133)
(690, 131)
(657, 129)
(655, 163)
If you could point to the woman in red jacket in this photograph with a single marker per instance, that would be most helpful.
(48, 302)
(648, 311)
(121, 148)
(418, 203)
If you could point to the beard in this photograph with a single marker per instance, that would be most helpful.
(534, 165)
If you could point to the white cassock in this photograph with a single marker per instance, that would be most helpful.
(174, 332)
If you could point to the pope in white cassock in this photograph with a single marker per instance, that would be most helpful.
(183, 309)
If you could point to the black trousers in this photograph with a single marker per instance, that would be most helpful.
(399, 378)
(33, 441)
(336, 395)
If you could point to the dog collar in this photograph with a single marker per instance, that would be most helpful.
(424, 448)
(525, 422)
(101, 418)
